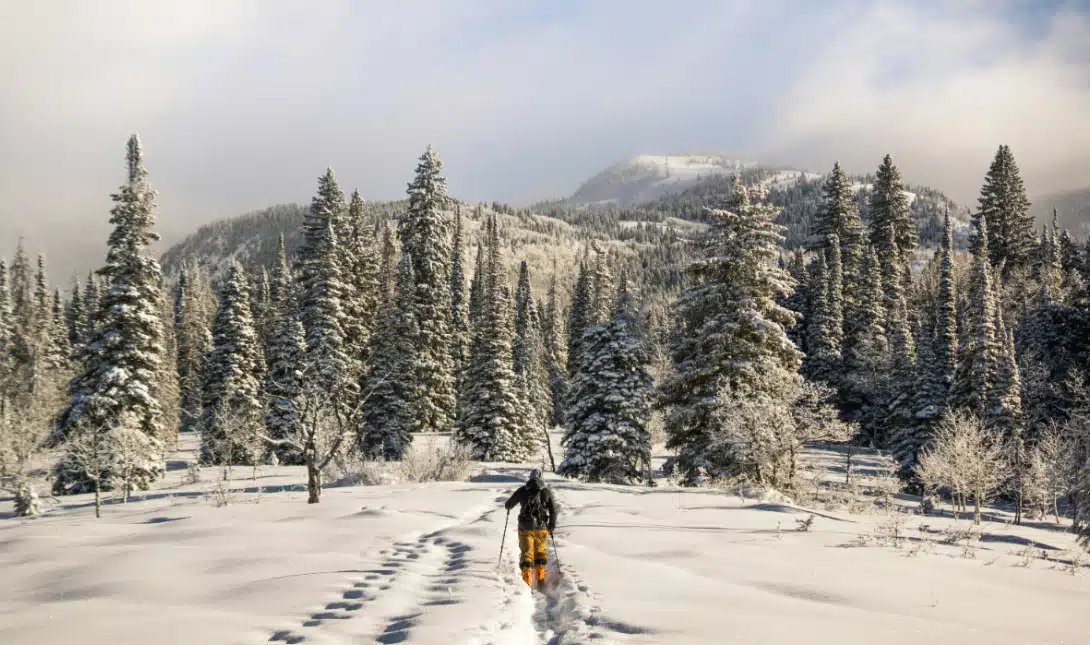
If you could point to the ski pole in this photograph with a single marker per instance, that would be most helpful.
(504, 538)
(556, 556)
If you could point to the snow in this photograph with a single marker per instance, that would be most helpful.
(858, 186)
(417, 563)
(687, 167)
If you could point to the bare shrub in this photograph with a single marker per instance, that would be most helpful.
(437, 463)
(965, 458)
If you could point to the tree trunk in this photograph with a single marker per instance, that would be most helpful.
(549, 446)
(314, 482)
(976, 507)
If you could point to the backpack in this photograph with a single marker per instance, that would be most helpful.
(535, 508)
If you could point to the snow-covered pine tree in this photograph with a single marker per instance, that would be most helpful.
(866, 349)
(730, 341)
(424, 231)
(75, 318)
(838, 215)
(459, 303)
(1004, 207)
(193, 340)
(1051, 267)
(579, 316)
(360, 264)
(606, 438)
(556, 358)
(231, 394)
(977, 352)
(522, 295)
(92, 297)
(327, 366)
(387, 272)
(602, 295)
(889, 211)
(6, 335)
(826, 334)
(60, 346)
(1004, 407)
(898, 330)
(123, 355)
(798, 301)
(946, 319)
(284, 356)
(22, 297)
(393, 384)
(928, 401)
(528, 363)
(493, 424)
(476, 289)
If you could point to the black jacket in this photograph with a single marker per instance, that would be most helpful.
(520, 496)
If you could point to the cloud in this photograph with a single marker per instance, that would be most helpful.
(940, 92)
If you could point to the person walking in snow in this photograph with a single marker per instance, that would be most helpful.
(537, 519)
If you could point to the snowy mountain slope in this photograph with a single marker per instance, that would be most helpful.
(645, 177)
(417, 563)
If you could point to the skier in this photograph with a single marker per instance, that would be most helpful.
(537, 519)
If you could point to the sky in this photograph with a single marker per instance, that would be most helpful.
(241, 104)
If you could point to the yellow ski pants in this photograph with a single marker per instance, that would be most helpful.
(533, 548)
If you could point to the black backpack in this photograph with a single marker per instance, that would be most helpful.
(535, 508)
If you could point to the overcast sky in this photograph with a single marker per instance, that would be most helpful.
(243, 103)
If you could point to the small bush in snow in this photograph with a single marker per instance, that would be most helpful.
(437, 463)
(193, 473)
(803, 525)
(221, 494)
(26, 500)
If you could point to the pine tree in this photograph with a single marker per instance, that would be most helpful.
(493, 424)
(898, 330)
(579, 317)
(798, 300)
(866, 349)
(912, 435)
(826, 327)
(6, 335)
(424, 231)
(231, 396)
(459, 301)
(360, 263)
(839, 216)
(1005, 400)
(556, 358)
(327, 363)
(977, 353)
(602, 296)
(387, 274)
(1051, 266)
(195, 309)
(528, 357)
(607, 439)
(1004, 207)
(91, 303)
(75, 318)
(476, 286)
(946, 321)
(123, 356)
(284, 354)
(390, 417)
(22, 299)
(889, 213)
(730, 340)
(60, 346)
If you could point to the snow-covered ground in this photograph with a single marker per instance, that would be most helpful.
(417, 563)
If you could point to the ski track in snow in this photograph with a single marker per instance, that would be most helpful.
(414, 576)
(422, 573)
